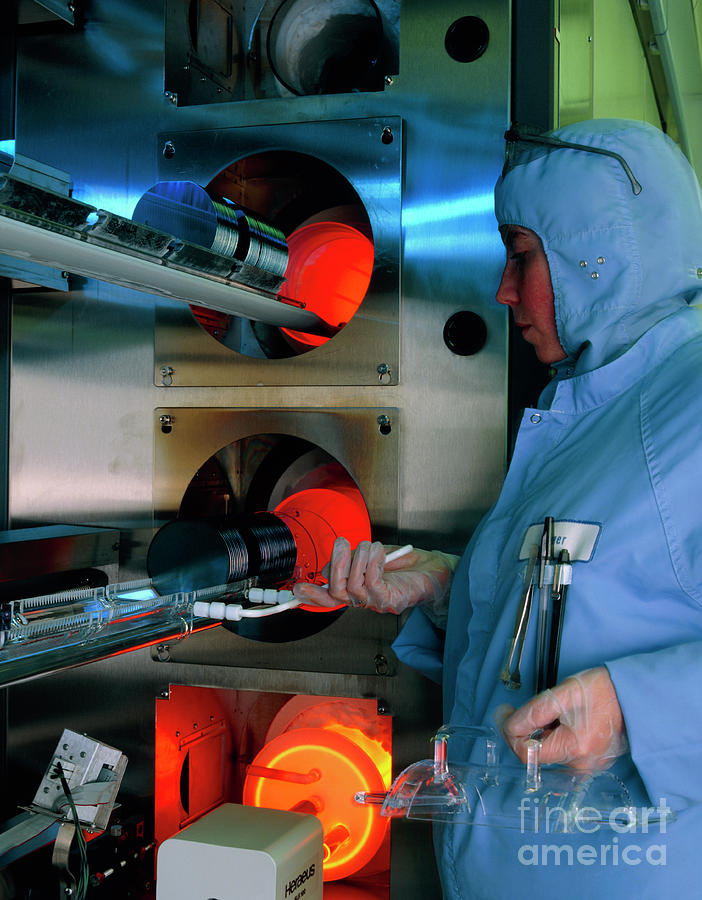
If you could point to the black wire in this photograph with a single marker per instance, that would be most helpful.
(83, 879)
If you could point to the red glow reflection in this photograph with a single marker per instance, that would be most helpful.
(329, 270)
(338, 767)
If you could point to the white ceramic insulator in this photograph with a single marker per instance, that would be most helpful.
(234, 612)
(269, 595)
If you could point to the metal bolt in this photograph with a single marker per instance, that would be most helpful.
(166, 420)
(384, 373)
(583, 263)
(381, 665)
(169, 150)
(600, 260)
(387, 137)
(594, 274)
(388, 80)
(166, 370)
(535, 419)
(383, 420)
(64, 275)
(383, 707)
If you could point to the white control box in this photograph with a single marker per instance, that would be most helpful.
(243, 852)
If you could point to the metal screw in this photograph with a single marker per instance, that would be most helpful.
(594, 274)
(699, 272)
(384, 373)
(166, 420)
(387, 137)
(583, 263)
(388, 80)
(600, 260)
(381, 666)
(169, 150)
(166, 370)
(171, 95)
(535, 419)
(383, 707)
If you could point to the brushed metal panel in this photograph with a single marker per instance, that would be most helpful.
(356, 149)
(352, 436)
(84, 431)
(352, 645)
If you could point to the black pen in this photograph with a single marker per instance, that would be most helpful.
(544, 597)
(559, 595)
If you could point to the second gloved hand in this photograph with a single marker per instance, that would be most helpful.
(361, 578)
(583, 722)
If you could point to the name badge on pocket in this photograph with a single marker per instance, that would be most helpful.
(578, 538)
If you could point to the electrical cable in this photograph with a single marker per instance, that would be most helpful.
(83, 879)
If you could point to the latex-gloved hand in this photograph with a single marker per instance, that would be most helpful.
(582, 721)
(361, 578)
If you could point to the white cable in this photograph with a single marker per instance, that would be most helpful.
(234, 612)
(283, 600)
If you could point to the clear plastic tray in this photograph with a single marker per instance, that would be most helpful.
(466, 784)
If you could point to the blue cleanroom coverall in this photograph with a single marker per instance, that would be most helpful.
(614, 453)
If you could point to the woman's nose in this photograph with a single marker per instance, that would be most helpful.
(507, 292)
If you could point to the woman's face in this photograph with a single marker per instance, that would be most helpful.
(526, 289)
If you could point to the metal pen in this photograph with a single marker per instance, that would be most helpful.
(510, 676)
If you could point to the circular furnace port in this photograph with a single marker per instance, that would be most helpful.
(326, 46)
(270, 505)
(330, 253)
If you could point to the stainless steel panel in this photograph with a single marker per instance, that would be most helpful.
(83, 395)
(352, 645)
(352, 436)
(33, 552)
(356, 149)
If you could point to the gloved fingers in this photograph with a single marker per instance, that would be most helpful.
(502, 713)
(356, 581)
(410, 560)
(314, 595)
(339, 567)
(580, 720)
(336, 571)
(540, 712)
(375, 568)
